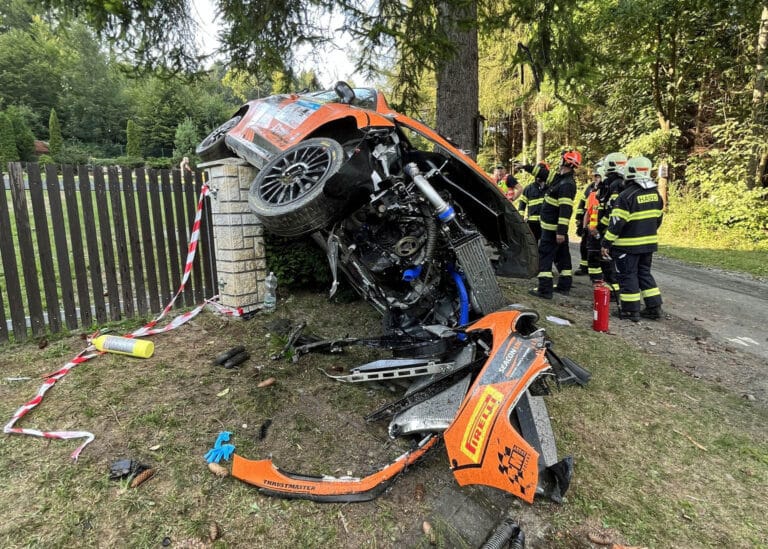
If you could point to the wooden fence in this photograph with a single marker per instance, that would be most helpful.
(103, 247)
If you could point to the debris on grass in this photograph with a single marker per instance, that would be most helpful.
(223, 393)
(218, 470)
(266, 383)
(142, 477)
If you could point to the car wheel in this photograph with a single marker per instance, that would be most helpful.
(213, 146)
(287, 194)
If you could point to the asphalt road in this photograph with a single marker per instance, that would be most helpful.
(733, 308)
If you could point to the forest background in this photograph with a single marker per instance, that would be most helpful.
(682, 82)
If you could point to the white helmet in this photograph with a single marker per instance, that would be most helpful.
(638, 167)
(614, 162)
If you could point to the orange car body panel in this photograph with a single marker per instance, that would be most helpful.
(265, 475)
(483, 446)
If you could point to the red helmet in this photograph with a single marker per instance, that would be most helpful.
(572, 158)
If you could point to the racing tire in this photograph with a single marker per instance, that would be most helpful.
(287, 195)
(213, 146)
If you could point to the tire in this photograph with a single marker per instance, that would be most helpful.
(287, 195)
(213, 146)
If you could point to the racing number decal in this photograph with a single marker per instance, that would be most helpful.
(473, 442)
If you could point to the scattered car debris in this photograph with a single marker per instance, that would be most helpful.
(126, 469)
(18, 378)
(223, 392)
(559, 321)
(263, 429)
(479, 388)
(507, 535)
(236, 360)
(221, 358)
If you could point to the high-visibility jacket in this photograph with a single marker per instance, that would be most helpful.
(532, 198)
(635, 219)
(609, 192)
(592, 211)
(581, 206)
(558, 204)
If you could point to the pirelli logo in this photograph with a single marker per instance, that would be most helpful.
(480, 422)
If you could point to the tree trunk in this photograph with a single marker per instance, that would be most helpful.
(757, 163)
(457, 79)
(524, 129)
(539, 140)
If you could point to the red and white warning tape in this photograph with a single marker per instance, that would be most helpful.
(146, 330)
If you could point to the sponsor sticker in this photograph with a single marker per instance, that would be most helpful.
(473, 442)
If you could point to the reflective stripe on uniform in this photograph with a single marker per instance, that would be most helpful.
(647, 214)
(562, 220)
(545, 274)
(630, 297)
(564, 200)
(548, 226)
(635, 240)
(650, 292)
(566, 272)
(595, 270)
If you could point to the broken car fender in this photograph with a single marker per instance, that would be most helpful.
(273, 482)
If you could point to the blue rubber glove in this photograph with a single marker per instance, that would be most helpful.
(220, 451)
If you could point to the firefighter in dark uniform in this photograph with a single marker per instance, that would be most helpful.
(611, 186)
(591, 229)
(581, 223)
(632, 238)
(555, 217)
(533, 196)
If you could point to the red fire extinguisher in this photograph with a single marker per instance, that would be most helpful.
(602, 307)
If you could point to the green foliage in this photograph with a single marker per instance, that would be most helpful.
(8, 152)
(45, 159)
(122, 161)
(159, 163)
(297, 263)
(133, 139)
(55, 139)
(654, 144)
(25, 139)
(186, 139)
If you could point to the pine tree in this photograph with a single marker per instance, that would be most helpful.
(186, 139)
(133, 139)
(8, 152)
(55, 140)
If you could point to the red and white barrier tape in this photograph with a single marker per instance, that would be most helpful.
(146, 330)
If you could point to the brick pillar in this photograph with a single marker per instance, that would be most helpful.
(238, 236)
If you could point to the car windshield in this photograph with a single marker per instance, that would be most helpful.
(364, 97)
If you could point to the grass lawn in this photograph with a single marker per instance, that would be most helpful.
(662, 460)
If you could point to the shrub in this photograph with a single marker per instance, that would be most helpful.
(298, 263)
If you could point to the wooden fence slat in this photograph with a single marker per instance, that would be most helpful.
(170, 233)
(146, 239)
(26, 248)
(206, 238)
(191, 195)
(62, 247)
(3, 321)
(107, 245)
(182, 228)
(78, 253)
(118, 223)
(159, 231)
(134, 242)
(92, 243)
(10, 268)
(44, 251)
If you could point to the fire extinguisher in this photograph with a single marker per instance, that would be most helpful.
(602, 306)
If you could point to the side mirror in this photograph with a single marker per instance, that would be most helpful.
(345, 92)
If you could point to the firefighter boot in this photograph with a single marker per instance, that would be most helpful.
(652, 313)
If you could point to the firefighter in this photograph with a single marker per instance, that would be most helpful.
(555, 217)
(591, 230)
(533, 196)
(507, 183)
(631, 239)
(611, 186)
(581, 222)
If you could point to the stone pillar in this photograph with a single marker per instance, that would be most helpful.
(238, 236)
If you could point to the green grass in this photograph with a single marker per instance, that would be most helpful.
(638, 475)
(753, 262)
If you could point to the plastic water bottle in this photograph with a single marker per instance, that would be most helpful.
(270, 294)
